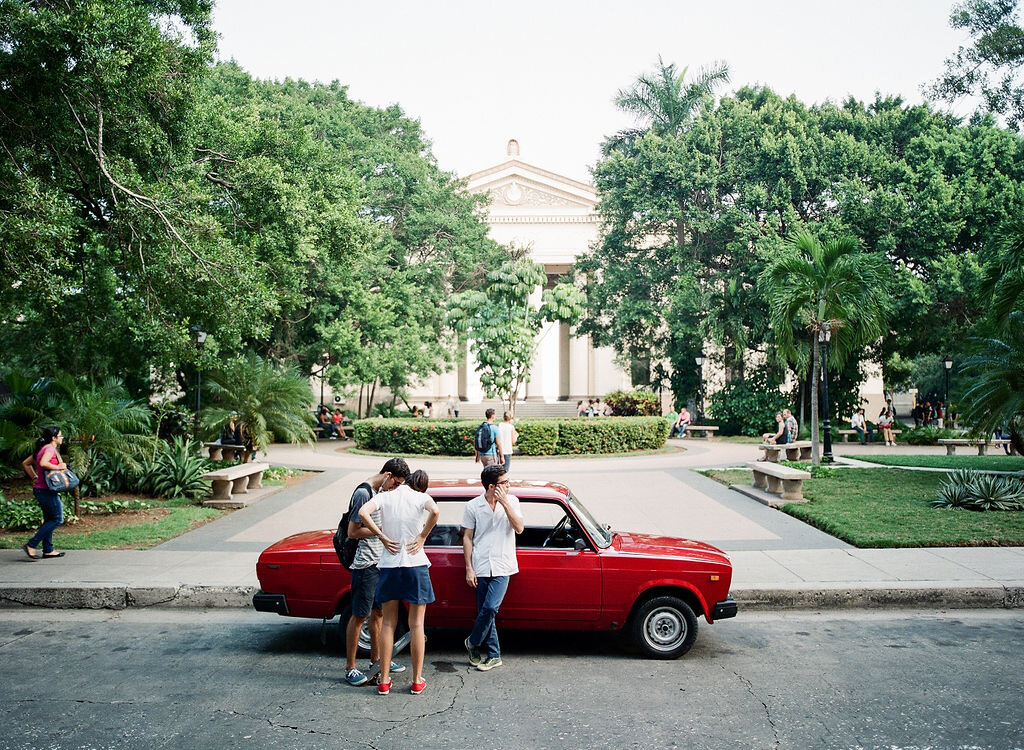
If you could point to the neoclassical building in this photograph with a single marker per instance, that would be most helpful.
(554, 217)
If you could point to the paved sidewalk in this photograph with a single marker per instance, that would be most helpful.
(778, 561)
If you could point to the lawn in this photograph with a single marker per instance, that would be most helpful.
(983, 463)
(890, 508)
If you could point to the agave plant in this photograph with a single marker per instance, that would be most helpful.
(957, 492)
(994, 492)
(177, 472)
(272, 401)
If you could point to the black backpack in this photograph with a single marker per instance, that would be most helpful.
(345, 547)
(482, 439)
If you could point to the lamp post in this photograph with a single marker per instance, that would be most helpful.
(824, 336)
(325, 360)
(200, 336)
(699, 359)
(947, 363)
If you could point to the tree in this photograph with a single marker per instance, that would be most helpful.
(989, 66)
(825, 289)
(272, 401)
(994, 399)
(502, 323)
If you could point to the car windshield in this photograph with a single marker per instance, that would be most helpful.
(601, 536)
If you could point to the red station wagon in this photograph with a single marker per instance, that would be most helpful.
(574, 574)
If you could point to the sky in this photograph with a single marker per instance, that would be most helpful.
(476, 74)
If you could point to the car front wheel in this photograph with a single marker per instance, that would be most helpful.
(664, 627)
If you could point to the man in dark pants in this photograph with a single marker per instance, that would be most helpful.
(364, 571)
(489, 546)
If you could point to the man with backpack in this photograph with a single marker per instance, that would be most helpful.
(363, 567)
(487, 447)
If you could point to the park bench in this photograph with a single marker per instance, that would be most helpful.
(798, 451)
(346, 430)
(780, 480)
(846, 433)
(982, 445)
(707, 432)
(219, 451)
(234, 480)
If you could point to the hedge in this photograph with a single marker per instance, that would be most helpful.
(537, 437)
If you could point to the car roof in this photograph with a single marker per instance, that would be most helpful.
(471, 488)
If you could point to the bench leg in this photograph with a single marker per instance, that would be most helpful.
(215, 453)
(805, 454)
(221, 489)
(774, 485)
(759, 481)
(982, 447)
(240, 486)
(256, 481)
(950, 450)
(246, 456)
(792, 489)
(792, 454)
(845, 437)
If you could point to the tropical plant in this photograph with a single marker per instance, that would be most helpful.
(977, 491)
(956, 493)
(177, 471)
(637, 403)
(830, 292)
(272, 401)
(994, 397)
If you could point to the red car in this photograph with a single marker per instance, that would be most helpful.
(574, 574)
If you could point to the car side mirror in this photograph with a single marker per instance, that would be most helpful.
(580, 545)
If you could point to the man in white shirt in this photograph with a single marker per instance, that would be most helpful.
(490, 523)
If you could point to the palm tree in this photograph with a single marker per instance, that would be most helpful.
(271, 401)
(995, 397)
(665, 102)
(1004, 275)
(829, 289)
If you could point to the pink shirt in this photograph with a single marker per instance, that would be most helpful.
(41, 456)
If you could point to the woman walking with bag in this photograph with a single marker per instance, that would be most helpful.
(46, 458)
(404, 568)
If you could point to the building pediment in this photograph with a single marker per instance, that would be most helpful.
(515, 185)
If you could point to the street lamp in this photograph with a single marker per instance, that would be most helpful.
(699, 359)
(947, 362)
(200, 336)
(824, 336)
(325, 360)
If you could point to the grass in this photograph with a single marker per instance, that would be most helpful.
(982, 463)
(889, 507)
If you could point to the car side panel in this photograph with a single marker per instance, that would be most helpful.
(560, 586)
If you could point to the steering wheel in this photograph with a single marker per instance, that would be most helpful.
(560, 526)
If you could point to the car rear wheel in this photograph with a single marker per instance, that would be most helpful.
(664, 627)
(402, 635)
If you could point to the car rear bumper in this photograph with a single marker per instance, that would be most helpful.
(724, 609)
(263, 602)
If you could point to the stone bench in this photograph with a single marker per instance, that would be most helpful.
(234, 480)
(346, 430)
(798, 451)
(982, 445)
(707, 432)
(779, 480)
(219, 451)
(846, 433)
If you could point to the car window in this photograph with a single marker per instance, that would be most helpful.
(448, 531)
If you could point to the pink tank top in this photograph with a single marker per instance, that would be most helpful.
(40, 482)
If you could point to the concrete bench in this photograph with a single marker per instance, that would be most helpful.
(235, 480)
(219, 451)
(707, 432)
(798, 451)
(346, 430)
(846, 433)
(982, 445)
(779, 480)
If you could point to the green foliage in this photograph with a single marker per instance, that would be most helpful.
(17, 514)
(929, 435)
(109, 507)
(748, 407)
(502, 324)
(636, 403)
(272, 401)
(816, 471)
(976, 491)
(177, 471)
(536, 436)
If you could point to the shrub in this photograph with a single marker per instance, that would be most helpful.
(17, 514)
(929, 435)
(638, 403)
(537, 437)
(976, 491)
(177, 472)
(746, 408)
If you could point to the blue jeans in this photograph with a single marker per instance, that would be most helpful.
(53, 516)
(870, 435)
(489, 594)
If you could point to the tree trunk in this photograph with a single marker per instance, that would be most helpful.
(815, 449)
(359, 409)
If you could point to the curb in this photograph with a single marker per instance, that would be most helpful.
(979, 596)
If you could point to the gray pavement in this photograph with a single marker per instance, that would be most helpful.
(778, 561)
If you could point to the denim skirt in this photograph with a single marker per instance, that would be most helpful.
(411, 585)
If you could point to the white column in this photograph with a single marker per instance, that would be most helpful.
(579, 368)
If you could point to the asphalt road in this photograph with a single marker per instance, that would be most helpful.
(236, 679)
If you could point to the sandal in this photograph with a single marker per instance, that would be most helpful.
(35, 556)
(52, 554)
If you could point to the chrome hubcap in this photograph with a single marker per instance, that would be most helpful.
(665, 628)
